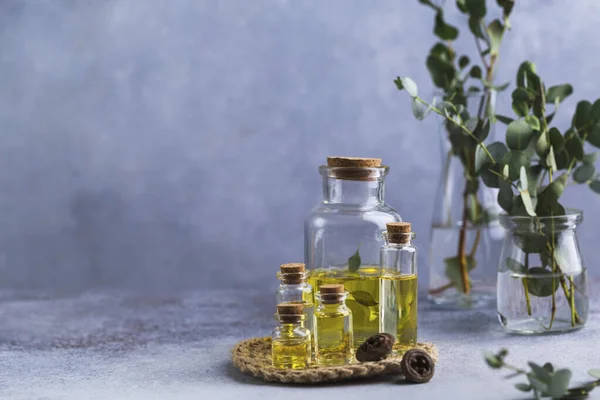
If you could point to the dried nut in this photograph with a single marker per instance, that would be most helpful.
(417, 366)
(375, 348)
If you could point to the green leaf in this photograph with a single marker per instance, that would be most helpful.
(595, 186)
(488, 177)
(562, 159)
(419, 109)
(584, 173)
(530, 242)
(574, 147)
(595, 112)
(541, 284)
(518, 135)
(410, 86)
(504, 119)
(523, 94)
(551, 160)
(364, 298)
(453, 269)
(523, 387)
(505, 195)
(462, 5)
(515, 159)
(443, 30)
(492, 360)
(594, 373)
(515, 266)
(495, 32)
(593, 136)
(475, 72)
(590, 158)
(442, 72)
(559, 384)
(476, 8)
(548, 367)
(533, 122)
(475, 27)
(582, 114)
(556, 140)
(354, 262)
(537, 385)
(556, 94)
(441, 51)
(496, 149)
(463, 61)
(526, 69)
(520, 108)
(540, 372)
(507, 6)
(548, 198)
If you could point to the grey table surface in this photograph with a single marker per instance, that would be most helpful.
(124, 345)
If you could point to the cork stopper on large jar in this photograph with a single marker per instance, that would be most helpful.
(292, 273)
(332, 293)
(290, 312)
(354, 168)
(399, 232)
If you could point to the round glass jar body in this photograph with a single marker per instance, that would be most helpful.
(343, 236)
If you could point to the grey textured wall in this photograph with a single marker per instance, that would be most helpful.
(175, 143)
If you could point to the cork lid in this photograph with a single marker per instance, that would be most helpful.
(353, 162)
(334, 288)
(399, 232)
(398, 227)
(292, 268)
(290, 309)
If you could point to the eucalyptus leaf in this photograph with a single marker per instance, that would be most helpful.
(495, 31)
(527, 203)
(590, 158)
(492, 360)
(364, 298)
(584, 173)
(595, 186)
(462, 5)
(518, 135)
(541, 283)
(542, 147)
(523, 94)
(453, 269)
(476, 8)
(559, 383)
(533, 122)
(463, 61)
(442, 72)
(556, 140)
(551, 159)
(595, 373)
(523, 387)
(521, 108)
(595, 112)
(505, 195)
(548, 198)
(556, 94)
(536, 384)
(410, 86)
(526, 70)
(496, 149)
(475, 27)
(475, 72)
(515, 266)
(354, 262)
(443, 30)
(548, 367)
(562, 159)
(531, 242)
(419, 109)
(489, 178)
(582, 114)
(515, 159)
(504, 119)
(574, 147)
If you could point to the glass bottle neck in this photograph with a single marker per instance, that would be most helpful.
(331, 307)
(352, 192)
(290, 326)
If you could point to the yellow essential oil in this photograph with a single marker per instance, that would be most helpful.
(399, 308)
(363, 296)
(291, 344)
(399, 292)
(333, 327)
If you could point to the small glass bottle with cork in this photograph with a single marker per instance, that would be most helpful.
(291, 342)
(333, 327)
(294, 289)
(398, 294)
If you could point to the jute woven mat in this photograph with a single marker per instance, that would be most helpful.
(253, 356)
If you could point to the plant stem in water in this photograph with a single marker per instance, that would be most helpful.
(462, 246)
(526, 285)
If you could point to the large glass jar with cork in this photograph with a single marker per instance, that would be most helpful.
(343, 236)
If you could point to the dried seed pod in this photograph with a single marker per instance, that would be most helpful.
(417, 366)
(375, 348)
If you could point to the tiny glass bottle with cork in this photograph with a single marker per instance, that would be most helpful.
(343, 236)
(294, 289)
(333, 327)
(291, 342)
(398, 294)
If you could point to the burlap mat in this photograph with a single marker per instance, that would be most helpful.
(253, 356)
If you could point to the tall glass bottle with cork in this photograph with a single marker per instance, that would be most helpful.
(343, 236)
(398, 295)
